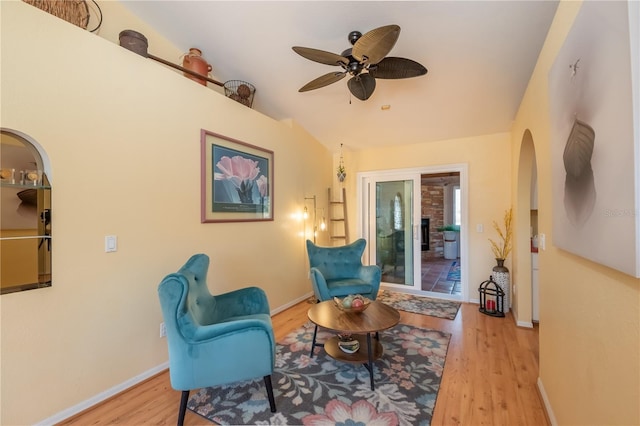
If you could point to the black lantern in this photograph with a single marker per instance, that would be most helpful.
(491, 298)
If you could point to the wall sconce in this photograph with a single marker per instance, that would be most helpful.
(305, 216)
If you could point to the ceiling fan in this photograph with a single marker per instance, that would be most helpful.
(365, 62)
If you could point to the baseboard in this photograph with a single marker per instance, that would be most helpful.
(290, 304)
(547, 405)
(102, 396)
(525, 324)
(85, 405)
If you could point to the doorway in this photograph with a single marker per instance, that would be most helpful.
(398, 220)
(441, 216)
(525, 302)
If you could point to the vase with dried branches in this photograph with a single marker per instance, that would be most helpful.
(501, 250)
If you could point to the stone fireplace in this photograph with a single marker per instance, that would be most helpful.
(433, 213)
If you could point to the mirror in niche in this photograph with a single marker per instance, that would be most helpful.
(25, 216)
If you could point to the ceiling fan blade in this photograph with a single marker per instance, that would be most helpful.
(394, 68)
(322, 81)
(373, 46)
(362, 86)
(321, 56)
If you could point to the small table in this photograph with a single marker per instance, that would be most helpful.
(375, 318)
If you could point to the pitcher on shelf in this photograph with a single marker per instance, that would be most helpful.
(195, 62)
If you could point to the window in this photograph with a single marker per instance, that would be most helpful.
(397, 213)
(457, 213)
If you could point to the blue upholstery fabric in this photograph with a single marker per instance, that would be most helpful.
(339, 272)
(214, 340)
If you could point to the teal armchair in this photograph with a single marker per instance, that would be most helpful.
(214, 340)
(339, 272)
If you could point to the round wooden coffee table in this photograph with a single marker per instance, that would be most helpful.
(375, 318)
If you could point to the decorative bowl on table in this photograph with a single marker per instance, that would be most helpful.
(352, 303)
(348, 344)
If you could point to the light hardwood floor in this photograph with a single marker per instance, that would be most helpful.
(489, 376)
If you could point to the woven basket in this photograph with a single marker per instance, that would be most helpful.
(73, 11)
(240, 91)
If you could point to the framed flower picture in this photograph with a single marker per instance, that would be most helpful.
(236, 180)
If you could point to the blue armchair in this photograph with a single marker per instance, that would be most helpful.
(339, 272)
(214, 340)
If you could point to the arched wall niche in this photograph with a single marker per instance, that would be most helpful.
(25, 213)
(38, 151)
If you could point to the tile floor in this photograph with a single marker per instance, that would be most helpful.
(434, 276)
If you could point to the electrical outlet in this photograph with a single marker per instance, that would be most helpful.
(163, 330)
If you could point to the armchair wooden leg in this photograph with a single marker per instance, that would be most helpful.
(183, 407)
(272, 401)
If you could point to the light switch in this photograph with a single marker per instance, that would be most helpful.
(110, 243)
(542, 241)
(479, 228)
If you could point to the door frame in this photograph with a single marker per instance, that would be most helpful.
(362, 224)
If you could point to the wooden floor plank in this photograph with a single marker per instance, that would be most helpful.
(489, 376)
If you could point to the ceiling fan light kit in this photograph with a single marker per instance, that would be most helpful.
(364, 62)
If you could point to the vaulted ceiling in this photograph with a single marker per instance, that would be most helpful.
(479, 56)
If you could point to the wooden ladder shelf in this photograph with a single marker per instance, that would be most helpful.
(338, 224)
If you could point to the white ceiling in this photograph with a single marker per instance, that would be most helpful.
(479, 56)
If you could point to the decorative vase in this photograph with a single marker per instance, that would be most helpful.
(501, 277)
(450, 245)
(342, 176)
(134, 41)
(195, 62)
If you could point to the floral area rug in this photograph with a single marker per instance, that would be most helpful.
(419, 305)
(322, 391)
(454, 272)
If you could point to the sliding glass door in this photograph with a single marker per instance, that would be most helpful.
(393, 228)
(397, 215)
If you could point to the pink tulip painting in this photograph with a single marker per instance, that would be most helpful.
(240, 171)
(237, 180)
(263, 187)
